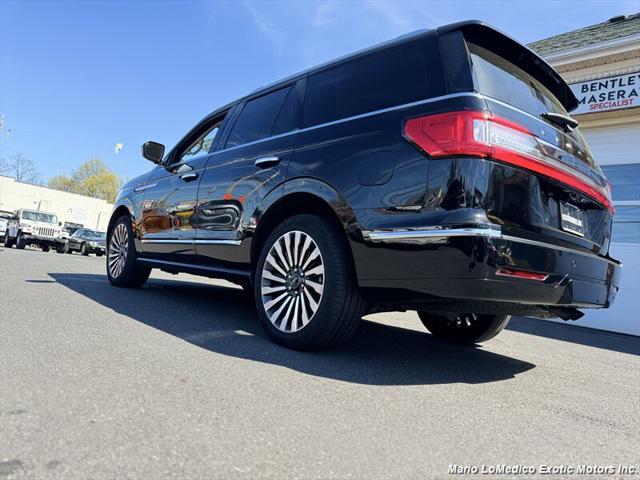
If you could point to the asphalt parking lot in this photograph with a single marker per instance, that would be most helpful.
(177, 380)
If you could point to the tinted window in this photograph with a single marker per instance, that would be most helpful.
(203, 145)
(390, 77)
(258, 118)
(288, 117)
(498, 78)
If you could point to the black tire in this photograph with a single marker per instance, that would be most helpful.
(340, 306)
(46, 248)
(8, 243)
(98, 254)
(464, 328)
(62, 248)
(20, 242)
(131, 275)
(84, 250)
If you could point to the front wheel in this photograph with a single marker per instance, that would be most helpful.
(305, 288)
(84, 250)
(8, 243)
(122, 267)
(20, 241)
(62, 248)
(465, 328)
(45, 248)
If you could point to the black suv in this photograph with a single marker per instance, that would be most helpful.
(438, 172)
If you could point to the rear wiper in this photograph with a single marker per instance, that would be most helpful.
(561, 120)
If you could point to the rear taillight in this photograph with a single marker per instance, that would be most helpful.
(482, 135)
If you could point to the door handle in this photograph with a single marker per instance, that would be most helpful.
(189, 177)
(266, 162)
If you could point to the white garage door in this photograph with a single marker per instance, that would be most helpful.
(614, 145)
(617, 149)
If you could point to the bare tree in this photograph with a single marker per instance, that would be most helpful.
(21, 168)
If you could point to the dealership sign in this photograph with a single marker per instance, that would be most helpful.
(605, 94)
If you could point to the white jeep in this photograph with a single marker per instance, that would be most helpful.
(32, 227)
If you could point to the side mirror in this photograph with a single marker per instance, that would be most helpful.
(153, 151)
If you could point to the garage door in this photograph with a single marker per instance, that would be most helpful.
(617, 150)
(614, 145)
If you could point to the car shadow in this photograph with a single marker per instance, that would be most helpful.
(568, 332)
(223, 320)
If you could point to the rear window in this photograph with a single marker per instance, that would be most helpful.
(382, 79)
(498, 78)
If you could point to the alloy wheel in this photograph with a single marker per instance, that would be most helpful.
(292, 281)
(118, 250)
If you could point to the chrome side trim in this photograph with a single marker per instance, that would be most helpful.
(435, 234)
(218, 242)
(196, 242)
(162, 240)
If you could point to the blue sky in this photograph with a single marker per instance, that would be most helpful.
(78, 77)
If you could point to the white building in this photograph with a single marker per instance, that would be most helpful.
(602, 65)
(69, 207)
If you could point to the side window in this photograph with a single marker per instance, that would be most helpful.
(202, 145)
(382, 79)
(258, 118)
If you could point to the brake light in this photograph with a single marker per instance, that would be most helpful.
(480, 134)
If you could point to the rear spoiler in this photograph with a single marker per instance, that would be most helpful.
(505, 46)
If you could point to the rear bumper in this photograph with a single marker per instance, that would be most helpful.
(422, 265)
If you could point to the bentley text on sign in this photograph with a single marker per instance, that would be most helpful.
(609, 93)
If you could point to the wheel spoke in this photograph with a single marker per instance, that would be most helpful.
(274, 278)
(287, 316)
(269, 290)
(276, 315)
(319, 270)
(281, 256)
(294, 322)
(312, 257)
(305, 248)
(312, 302)
(303, 311)
(287, 248)
(296, 243)
(273, 302)
(272, 261)
(318, 287)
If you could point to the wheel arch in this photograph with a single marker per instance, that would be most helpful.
(118, 212)
(301, 196)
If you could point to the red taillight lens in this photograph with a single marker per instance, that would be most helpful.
(481, 135)
(510, 272)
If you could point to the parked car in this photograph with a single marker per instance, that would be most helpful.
(67, 229)
(86, 241)
(5, 217)
(438, 172)
(32, 227)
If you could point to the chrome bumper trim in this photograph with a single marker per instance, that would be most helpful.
(435, 236)
(432, 234)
